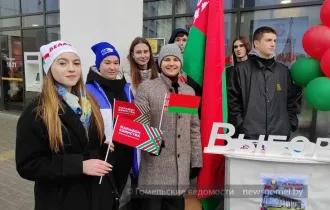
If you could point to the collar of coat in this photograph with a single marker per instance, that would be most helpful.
(168, 82)
(263, 63)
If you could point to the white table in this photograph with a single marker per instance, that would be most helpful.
(243, 180)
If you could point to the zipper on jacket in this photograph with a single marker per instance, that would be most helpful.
(176, 149)
(266, 100)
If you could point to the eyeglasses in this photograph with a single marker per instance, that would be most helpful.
(236, 46)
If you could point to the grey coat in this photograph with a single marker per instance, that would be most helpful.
(168, 173)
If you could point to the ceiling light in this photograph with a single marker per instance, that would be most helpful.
(35, 25)
(285, 1)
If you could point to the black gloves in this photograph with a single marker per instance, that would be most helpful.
(194, 172)
(160, 149)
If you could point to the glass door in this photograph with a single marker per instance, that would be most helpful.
(12, 83)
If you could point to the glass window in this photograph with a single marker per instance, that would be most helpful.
(157, 8)
(290, 25)
(189, 6)
(230, 32)
(12, 70)
(9, 7)
(10, 22)
(53, 19)
(184, 22)
(229, 4)
(256, 3)
(32, 6)
(161, 28)
(52, 5)
(33, 21)
(185, 6)
(33, 39)
(53, 34)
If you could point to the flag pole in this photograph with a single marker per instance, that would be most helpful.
(106, 156)
(161, 117)
(113, 110)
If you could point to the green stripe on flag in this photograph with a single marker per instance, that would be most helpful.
(193, 57)
(144, 144)
(152, 137)
(174, 109)
(224, 98)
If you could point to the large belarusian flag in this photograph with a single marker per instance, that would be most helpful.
(204, 62)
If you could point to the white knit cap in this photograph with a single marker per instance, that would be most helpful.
(52, 50)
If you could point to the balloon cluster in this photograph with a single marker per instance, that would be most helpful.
(313, 72)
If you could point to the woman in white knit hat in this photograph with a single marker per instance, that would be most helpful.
(59, 139)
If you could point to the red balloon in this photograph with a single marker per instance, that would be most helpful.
(316, 41)
(325, 13)
(325, 63)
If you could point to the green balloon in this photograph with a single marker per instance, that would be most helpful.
(305, 70)
(317, 93)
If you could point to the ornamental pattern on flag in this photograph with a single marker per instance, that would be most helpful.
(138, 135)
(136, 112)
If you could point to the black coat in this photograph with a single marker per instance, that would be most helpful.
(122, 157)
(260, 98)
(59, 180)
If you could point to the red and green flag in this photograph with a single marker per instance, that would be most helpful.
(204, 62)
(229, 61)
(138, 135)
(180, 103)
(136, 112)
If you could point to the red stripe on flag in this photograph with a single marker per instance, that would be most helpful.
(212, 173)
(155, 137)
(180, 100)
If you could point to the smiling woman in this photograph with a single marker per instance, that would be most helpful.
(103, 85)
(59, 123)
(66, 70)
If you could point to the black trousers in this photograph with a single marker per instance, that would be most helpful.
(163, 202)
(136, 202)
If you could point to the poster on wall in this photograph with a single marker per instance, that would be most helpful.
(284, 191)
(290, 32)
(156, 44)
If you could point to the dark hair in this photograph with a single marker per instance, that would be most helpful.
(257, 35)
(245, 42)
(182, 34)
(134, 68)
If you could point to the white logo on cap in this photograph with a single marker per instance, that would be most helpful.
(106, 50)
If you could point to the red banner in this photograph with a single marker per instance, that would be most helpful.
(135, 112)
(140, 136)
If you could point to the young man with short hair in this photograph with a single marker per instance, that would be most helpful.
(260, 100)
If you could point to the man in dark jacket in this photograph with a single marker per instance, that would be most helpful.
(260, 99)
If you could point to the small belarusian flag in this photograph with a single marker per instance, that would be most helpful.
(179, 103)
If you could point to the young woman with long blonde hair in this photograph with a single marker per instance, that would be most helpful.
(59, 139)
